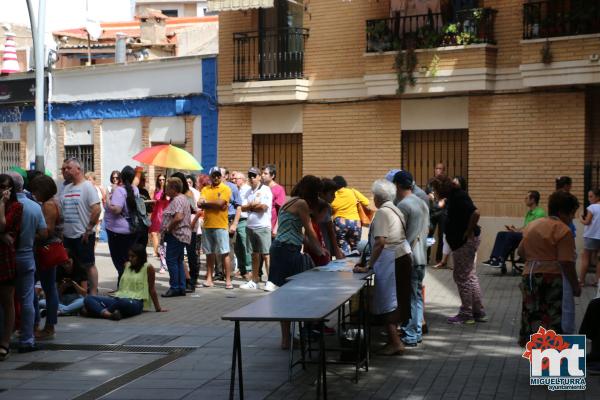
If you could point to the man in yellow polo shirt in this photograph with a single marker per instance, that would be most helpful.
(215, 238)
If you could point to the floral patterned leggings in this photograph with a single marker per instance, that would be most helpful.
(466, 279)
(347, 233)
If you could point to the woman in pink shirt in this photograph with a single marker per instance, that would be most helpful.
(160, 203)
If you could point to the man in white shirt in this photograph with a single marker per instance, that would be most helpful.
(258, 229)
(81, 209)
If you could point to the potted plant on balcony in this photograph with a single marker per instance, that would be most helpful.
(454, 35)
(378, 36)
(427, 36)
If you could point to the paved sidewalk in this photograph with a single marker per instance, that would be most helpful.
(192, 354)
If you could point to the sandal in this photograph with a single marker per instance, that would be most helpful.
(229, 287)
(5, 353)
(206, 285)
(441, 266)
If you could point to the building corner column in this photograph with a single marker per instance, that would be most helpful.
(97, 142)
(189, 133)
(23, 146)
(60, 141)
(149, 169)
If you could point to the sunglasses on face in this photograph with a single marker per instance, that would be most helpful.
(252, 176)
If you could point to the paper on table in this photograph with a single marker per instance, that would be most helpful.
(337, 266)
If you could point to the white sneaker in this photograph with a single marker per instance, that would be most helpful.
(270, 287)
(250, 285)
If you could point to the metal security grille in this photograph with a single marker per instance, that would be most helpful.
(283, 150)
(9, 155)
(422, 150)
(84, 154)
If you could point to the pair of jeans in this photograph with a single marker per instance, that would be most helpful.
(119, 245)
(244, 258)
(193, 260)
(175, 266)
(26, 295)
(413, 327)
(505, 243)
(69, 304)
(48, 280)
(127, 307)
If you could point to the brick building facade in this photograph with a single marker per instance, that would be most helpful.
(494, 107)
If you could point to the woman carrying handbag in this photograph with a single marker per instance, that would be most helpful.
(346, 217)
(50, 253)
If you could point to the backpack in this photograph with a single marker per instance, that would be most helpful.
(138, 219)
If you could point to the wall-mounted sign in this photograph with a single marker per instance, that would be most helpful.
(15, 91)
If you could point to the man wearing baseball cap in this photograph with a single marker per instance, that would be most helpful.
(416, 213)
(417, 191)
(258, 230)
(215, 240)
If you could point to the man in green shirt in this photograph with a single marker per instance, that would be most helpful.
(509, 240)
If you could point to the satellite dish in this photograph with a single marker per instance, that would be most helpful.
(94, 29)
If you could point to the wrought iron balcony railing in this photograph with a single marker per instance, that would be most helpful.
(554, 18)
(430, 30)
(269, 54)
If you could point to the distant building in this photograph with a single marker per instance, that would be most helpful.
(151, 36)
(105, 114)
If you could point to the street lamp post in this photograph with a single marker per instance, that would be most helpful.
(38, 33)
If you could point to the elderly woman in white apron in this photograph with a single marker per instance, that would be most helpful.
(391, 262)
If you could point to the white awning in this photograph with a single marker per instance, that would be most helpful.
(228, 5)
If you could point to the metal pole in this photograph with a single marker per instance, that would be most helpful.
(39, 86)
(32, 23)
(89, 51)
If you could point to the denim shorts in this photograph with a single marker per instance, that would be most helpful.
(215, 241)
(258, 240)
(82, 252)
(591, 243)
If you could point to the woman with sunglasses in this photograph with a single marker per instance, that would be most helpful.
(160, 203)
(115, 180)
(11, 212)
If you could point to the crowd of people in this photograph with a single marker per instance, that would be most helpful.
(249, 229)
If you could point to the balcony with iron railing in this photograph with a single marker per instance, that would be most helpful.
(269, 54)
(560, 45)
(435, 52)
(473, 26)
(557, 18)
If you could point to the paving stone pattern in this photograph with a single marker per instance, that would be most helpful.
(481, 361)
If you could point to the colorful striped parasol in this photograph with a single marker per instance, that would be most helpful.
(168, 156)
